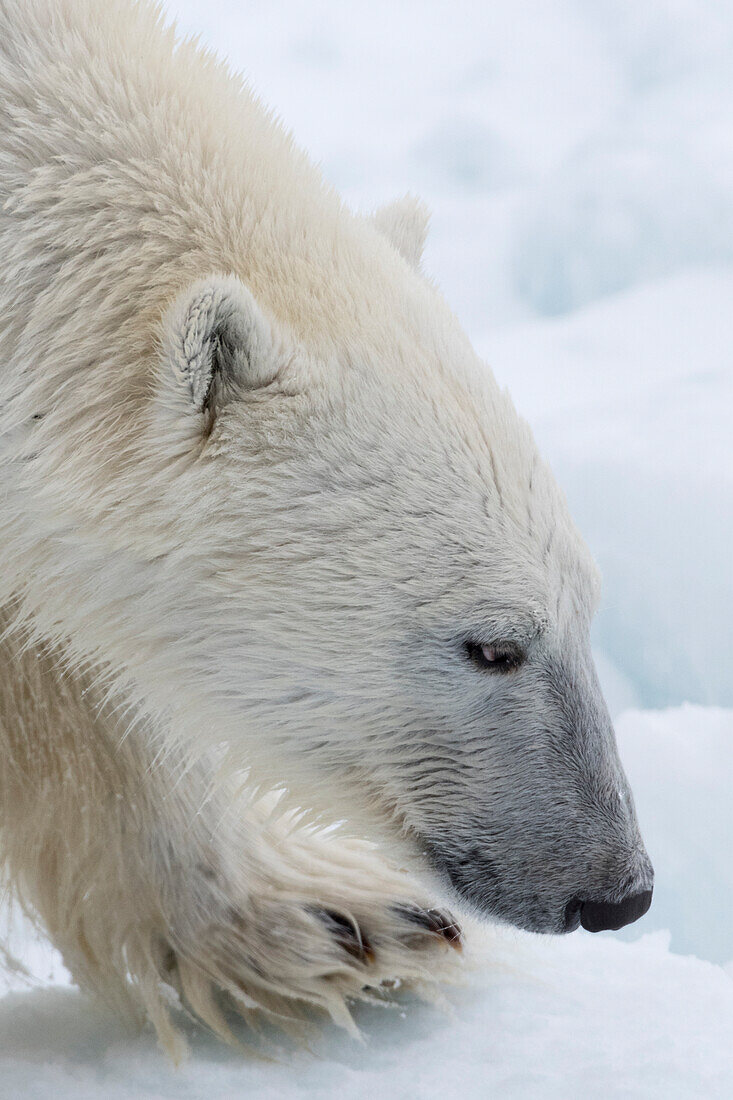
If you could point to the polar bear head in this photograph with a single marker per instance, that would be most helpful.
(299, 519)
(390, 595)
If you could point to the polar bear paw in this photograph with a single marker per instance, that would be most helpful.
(423, 929)
(275, 957)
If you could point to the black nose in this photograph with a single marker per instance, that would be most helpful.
(602, 916)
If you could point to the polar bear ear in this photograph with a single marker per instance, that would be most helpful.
(218, 342)
(404, 223)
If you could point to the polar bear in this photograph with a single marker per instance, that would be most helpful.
(277, 553)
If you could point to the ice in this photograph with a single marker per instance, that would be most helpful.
(631, 400)
(578, 159)
(679, 762)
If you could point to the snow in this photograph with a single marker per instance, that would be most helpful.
(546, 1019)
(578, 159)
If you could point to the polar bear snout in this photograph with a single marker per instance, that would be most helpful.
(543, 832)
(609, 916)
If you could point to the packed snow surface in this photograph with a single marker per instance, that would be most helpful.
(551, 1019)
(578, 159)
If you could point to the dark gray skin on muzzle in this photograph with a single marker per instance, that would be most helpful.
(558, 842)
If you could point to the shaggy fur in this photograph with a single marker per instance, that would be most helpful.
(256, 495)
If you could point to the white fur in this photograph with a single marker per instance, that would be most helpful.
(232, 581)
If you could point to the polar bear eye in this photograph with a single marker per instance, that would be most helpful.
(498, 657)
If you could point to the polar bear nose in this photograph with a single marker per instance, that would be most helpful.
(603, 916)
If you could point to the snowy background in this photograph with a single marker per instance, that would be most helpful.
(578, 159)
